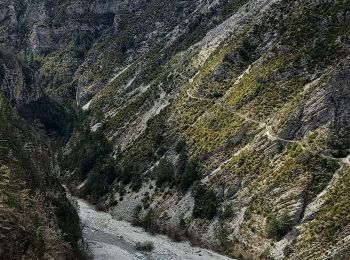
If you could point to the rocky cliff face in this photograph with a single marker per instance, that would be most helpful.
(225, 122)
(17, 82)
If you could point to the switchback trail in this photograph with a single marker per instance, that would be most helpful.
(268, 128)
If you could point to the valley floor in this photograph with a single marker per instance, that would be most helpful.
(108, 238)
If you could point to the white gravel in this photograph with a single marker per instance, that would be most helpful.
(108, 238)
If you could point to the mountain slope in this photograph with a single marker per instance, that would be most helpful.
(36, 219)
(256, 106)
(224, 122)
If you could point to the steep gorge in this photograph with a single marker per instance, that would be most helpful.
(223, 122)
(36, 219)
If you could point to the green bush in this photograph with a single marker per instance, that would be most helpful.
(164, 173)
(222, 232)
(99, 180)
(266, 254)
(226, 212)
(190, 175)
(91, 149)
(147, 246)
(287, 251)
(180, 147)
(149, 223)
(278, 227)
(340, 144)
(187, 170)
(205, 201)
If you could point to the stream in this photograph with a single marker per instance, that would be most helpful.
(108, 238)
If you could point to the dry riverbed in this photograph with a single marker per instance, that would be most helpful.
(108, 238)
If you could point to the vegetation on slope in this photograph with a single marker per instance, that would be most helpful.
(36, 220)
(239, 120)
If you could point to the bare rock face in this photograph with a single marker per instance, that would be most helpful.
(42, 40)
(339, 89)
(36, 12)
(8, 15)
(48, 24)
(233, 189)
(18, 83)
(331, 103)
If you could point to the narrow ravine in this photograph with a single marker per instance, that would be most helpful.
(108, 238)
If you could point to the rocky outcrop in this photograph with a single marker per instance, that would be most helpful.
(17, 82)
(327, 104)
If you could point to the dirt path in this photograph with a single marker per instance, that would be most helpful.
(269, 131)
(268, 128)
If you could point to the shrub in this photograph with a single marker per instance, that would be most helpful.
(91, 149)
(278, 227)
(136, 221)
(188, 170)
(131, 174)
(100, 179)
(180, 146)
(164, 173)
(147, 222)
(146, 200)
(136, 184)
(182, 224)
(266, 254)
(146, 246)
(222, 233)
(340, 145)
(226, 212)
(287, 251)
(190, 175)
(206, 202)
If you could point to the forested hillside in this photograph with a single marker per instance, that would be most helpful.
(36, 219)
